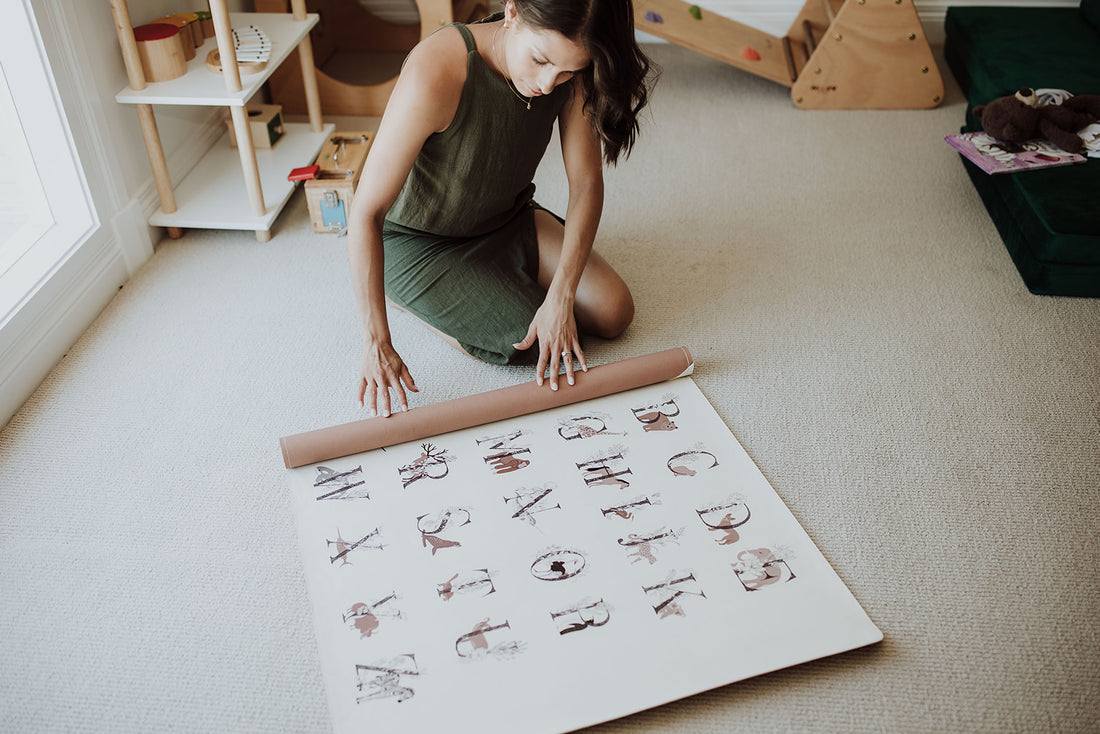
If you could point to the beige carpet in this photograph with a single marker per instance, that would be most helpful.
(855, 320)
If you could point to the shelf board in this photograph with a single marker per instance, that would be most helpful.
(200, 86)
(213, 195)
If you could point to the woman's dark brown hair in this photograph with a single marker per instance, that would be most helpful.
(617, 82)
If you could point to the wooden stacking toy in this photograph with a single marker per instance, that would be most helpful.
(160, 50)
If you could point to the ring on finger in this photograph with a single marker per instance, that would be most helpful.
(567, 354)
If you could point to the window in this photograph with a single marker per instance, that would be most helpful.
(24, 211)
(45, 209)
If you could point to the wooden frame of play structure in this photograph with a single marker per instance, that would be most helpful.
(838, 54)
(346, 26)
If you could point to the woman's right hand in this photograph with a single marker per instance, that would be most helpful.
(382, 370)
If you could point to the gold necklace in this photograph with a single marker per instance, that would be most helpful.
(520, 97)
(507, 81)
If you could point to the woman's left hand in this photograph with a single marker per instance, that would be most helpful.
(555, 328)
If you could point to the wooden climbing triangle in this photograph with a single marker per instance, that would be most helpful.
(346, 27)
(838, 54)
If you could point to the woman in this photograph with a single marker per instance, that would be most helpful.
(443, 223)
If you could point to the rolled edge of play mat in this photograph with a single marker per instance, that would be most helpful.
(474, 410)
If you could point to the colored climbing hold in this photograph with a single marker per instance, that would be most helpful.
(696, 12)
(653, 17)
(750, 53)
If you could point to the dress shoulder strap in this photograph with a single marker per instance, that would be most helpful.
(471, 44)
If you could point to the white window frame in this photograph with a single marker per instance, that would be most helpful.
(42, 117)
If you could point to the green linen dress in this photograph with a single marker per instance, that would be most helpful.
(460, 246)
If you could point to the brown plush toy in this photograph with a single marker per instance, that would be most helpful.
(1020, 118)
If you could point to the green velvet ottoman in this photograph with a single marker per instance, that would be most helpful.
(1049, 219)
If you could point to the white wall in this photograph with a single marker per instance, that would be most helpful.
(771, 16)
(776, 16)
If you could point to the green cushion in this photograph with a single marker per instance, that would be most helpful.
(1037, 254)
(1049, 218)
(1090, 11)
(1004, 49)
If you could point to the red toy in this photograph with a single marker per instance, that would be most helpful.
(304, 173)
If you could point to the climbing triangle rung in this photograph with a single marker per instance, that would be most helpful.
(808, 30)
(795, 61)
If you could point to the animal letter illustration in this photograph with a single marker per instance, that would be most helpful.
(658, 417)
(558, 564)
(642, 545)
(432, 525)
(526, 503)
(761, 567)
(384, 679)
(583, 616)
(626, 511)
(431, 464)
(477, 580)
(690, 463)
(668, 593)
(474, 644)
(373, 539)
(607, 470)
(335, 485)
(585, 426)
(725, 518)
(366, 618)
(504, 457)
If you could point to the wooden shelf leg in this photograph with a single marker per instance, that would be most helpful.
(309, 70)
(248, 159)
(309, 84)
(130, 56)
(156, 158)
(223, 32)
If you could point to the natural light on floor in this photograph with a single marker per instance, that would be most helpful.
(24, 211)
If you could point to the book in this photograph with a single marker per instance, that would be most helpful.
(997, 156)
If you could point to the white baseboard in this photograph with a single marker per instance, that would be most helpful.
(131, 229)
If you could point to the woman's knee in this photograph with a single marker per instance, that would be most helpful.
(613, 314)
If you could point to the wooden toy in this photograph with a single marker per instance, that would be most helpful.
(160, 51)
(838, 54)
(194, 27)
(329, 192)
(252, 48)
(185, 37)
(265, 122)
(206, 22)
(347, 28)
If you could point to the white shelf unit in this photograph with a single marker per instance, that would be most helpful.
(200, 86)
(213, 194)
(227, 189)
